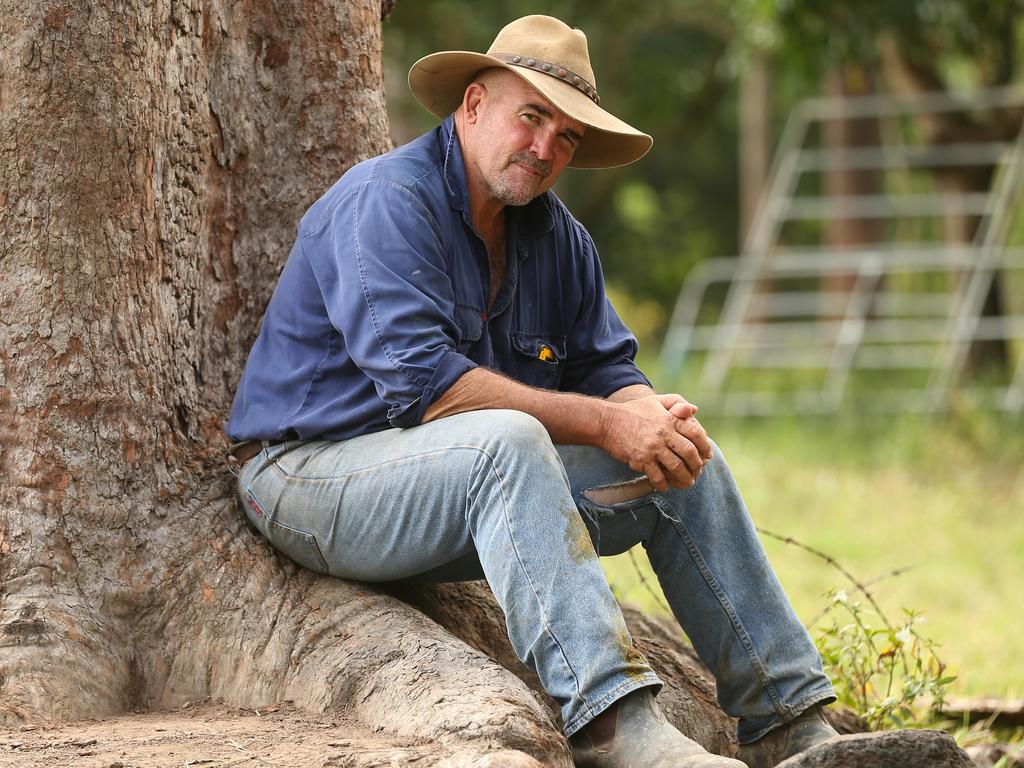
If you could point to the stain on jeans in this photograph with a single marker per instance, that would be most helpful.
(577, 537)
(635, 663)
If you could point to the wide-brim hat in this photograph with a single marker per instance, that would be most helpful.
(553, 59)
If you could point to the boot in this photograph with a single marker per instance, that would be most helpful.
(794, 737)
(637, 735)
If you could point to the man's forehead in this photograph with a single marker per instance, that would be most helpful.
(521, 92)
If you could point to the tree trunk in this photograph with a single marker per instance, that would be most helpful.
(755, 124)
(155, 159)
(840, 134)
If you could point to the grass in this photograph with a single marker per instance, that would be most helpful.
(944, 496)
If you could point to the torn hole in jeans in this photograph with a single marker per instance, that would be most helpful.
(619, 493)
(605, 500)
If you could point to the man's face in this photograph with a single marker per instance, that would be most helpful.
(520, 142)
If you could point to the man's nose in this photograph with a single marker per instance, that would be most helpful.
(543, 145)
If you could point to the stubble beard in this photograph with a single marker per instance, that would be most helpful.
(509, 190)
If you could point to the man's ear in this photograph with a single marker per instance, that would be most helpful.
(472, 99)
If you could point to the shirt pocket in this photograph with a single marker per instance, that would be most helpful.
(538, 359)
(471, 327)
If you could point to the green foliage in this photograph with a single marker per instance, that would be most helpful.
(645, 317)
(881, 672)
(962, 43)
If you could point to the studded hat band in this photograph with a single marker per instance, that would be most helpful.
(567, 75)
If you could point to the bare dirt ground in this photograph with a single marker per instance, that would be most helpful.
(212, 736)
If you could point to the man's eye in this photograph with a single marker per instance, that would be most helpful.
(531, 117)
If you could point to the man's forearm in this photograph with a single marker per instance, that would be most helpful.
(654, 434)
(569, 418)
(632, 392)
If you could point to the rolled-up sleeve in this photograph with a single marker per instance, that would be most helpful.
(601, 349)
(379, 260)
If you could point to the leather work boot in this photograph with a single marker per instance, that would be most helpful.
(794, 737)
(637, 735)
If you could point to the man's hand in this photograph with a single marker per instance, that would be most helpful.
(659, 436)
(654, 434)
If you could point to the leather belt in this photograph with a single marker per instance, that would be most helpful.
(245, 451)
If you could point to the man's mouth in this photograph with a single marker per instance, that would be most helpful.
(536, 167)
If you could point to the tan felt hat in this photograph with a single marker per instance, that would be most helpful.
(553, 59)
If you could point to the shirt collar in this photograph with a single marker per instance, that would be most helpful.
(454, 165)
(531, 220)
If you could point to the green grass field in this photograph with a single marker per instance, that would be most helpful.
(944, 496)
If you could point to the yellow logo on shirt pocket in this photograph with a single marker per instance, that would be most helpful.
(547, 354)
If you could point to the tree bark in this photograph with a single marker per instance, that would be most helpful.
(155, 159)
(842, 133)
(755, 149)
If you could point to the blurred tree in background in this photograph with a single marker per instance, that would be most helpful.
(713, 81)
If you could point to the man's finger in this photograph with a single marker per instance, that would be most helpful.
(686, 452)
(683, 410)
(656, 476)
(692, 430)
(678, 472)
(677, 405)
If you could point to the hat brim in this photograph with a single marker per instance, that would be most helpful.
(439, 82)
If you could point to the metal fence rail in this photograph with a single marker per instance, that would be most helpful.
(862, 329)
(810, 327)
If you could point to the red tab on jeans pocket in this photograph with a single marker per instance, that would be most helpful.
(253, 504)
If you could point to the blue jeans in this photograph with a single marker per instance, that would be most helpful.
(486, 494)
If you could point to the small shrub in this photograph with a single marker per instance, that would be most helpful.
(886, 673)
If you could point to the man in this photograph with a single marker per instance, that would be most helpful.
(440, 390)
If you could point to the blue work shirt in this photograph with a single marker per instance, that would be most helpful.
(382, 304)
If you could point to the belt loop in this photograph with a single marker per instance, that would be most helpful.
(232, 463)
(239, 453)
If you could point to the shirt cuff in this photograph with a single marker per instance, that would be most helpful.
(450, 369)
(610, 379)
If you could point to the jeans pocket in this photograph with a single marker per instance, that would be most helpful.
(298, 545)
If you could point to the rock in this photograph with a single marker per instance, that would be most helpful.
(845, 720)
(889, 749)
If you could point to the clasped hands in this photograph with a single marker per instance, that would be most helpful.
(658, 436)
